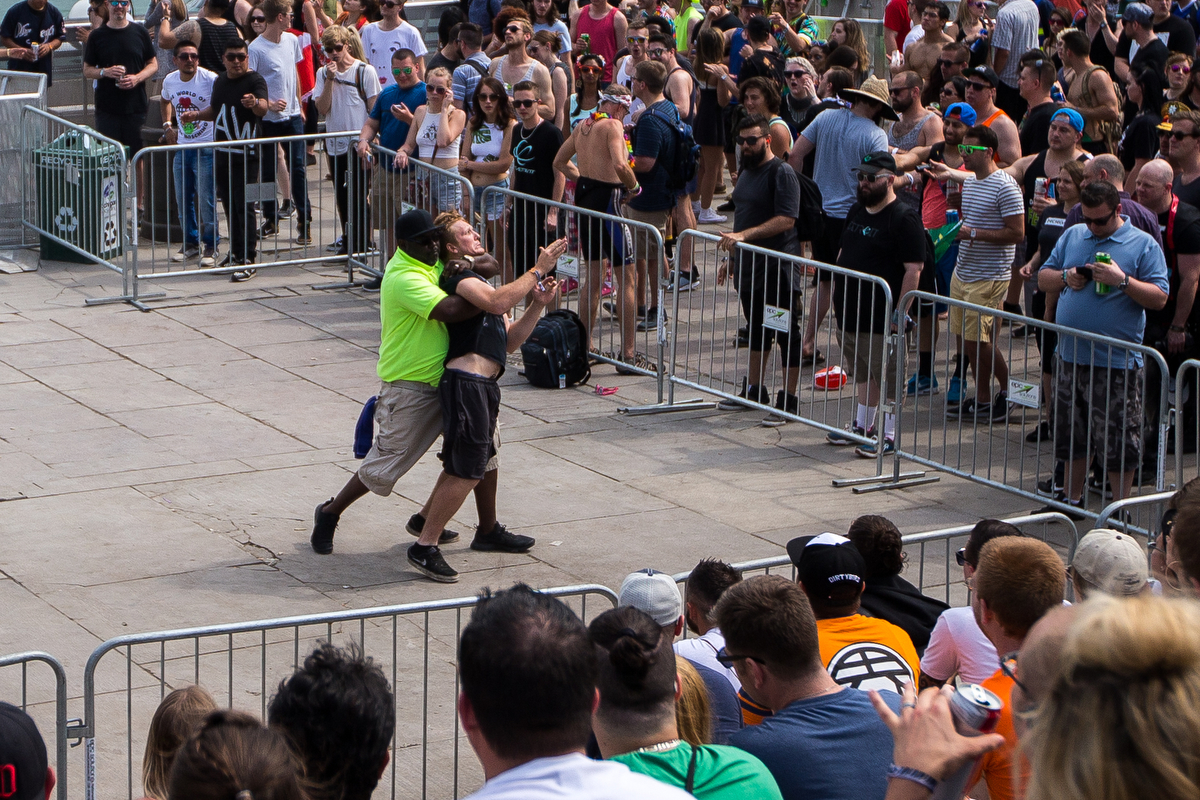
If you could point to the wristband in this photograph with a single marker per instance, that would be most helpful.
(1064, 277)
(540, 277)
(1178, 329)
(1125, 283)
(915, 775)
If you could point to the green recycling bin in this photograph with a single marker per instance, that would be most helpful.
(79, 188)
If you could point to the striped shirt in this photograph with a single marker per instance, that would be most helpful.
(985, 204)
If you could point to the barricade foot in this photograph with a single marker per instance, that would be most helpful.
(136, 302)
(873, 484)
(695, 404)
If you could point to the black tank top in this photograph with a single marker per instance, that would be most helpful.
(213, 39)
(484, 334)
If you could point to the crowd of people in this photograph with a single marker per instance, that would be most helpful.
(838, 683)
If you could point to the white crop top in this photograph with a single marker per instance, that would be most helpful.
(427, 139)
(485, 142)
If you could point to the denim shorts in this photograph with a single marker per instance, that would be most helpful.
(495, 201)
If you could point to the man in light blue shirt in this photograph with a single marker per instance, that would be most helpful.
(1100, 384)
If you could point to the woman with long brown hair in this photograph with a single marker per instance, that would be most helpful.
(849, 33)
(486, 155)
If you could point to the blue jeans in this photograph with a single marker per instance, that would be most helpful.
(296, 157)
(195, 191)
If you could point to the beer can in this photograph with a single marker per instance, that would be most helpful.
(1102, 288)
(1039, 187)
(976, 711)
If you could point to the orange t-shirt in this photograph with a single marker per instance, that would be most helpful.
(868, 653)
(996, 767)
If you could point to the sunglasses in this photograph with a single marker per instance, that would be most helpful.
(967, 149)
(337, 48)
(727, 659)
(980, 5)
(948, 89)
(657, 52)
(187, 57)
(1184, 68)
(591, 70)
(1008, 665)
(439, 90)
(514, 29)
(871, 177)
(979, 87)
(1179, 136)
(748, 139)
(119, 3)
(635, 39)
(388, 4)
(488, 98)
(258, 19)
(235, 56)
(895, 92)
(961, 556)
(402, 70)
(1099, 221)
(524, 103)
(794, 73)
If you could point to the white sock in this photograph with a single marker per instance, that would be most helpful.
(871, 411)
(889, 426)
(860, 417)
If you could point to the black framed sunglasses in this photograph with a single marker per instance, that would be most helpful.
(748, 139)
(258, 18)
(1179, 136)
(235, 56)
(1008, 665)
(1099, 222)
(727, 659)
(871, 177)
(961, 556)
(337, 48)
(524, 103)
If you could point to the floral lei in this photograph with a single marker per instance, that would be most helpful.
(599, 115)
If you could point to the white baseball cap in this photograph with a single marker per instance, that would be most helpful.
(1112, 562)
(655, 593)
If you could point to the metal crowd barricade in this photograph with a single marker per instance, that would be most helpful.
(48, 711)
(73, 194)
(229, 176)
(394, 192)
(1010, 450)
(1141, 516)
(597, 274)
(1187, 422)
(242, 664)
(17, 90)
(935, 554)
(706, 324)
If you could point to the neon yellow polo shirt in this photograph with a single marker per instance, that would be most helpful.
(412, 346)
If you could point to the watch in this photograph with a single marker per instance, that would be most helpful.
(974, 231)
(1123, 285)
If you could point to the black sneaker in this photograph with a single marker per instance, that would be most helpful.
(244, 274)
(416, 524)
(324, 524)
(1061, 497)
(1039, 434)
(650, 323)
(743, 337)
(268, 229)
(726, 206)
(429, 562)
(287, 209)
(788, 403)
(373, 285)
(756, 394)
(500, 540)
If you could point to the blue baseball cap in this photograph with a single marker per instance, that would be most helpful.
(1073, 117)
(963, 111)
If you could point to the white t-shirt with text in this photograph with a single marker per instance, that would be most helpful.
(193, 95)
(378, 45)
(277, 64)
(348, 110)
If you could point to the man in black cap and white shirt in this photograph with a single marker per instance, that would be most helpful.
(857, 650)
(25, 772)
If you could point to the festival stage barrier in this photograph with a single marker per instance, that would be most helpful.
(1187, 427)
(48, 709)
(394, 192)
(1009, 449)
(936, 566)
(242, 664)
(597, 274)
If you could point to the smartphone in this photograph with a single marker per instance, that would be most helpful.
(1086, 272)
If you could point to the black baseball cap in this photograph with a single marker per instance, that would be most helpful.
(828, 565)
(23, 760)
(414, 225)
(986, 73)
(879, 161)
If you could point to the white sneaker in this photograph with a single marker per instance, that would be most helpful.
(707, 216)
(695, 206)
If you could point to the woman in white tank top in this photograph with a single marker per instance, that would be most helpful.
(487, 154)
(436, 136)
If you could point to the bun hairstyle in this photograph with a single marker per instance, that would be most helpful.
(1130, 676)
(234, 757)
(635, 661)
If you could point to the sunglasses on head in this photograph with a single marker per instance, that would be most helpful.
(524, 103)
(748, 139)
(402, 70)
(337, 48)
(1099, 221)
(1184, 68)
(235, 56)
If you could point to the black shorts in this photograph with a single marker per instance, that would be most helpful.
(764, 281)
(470, 406)
(595, 241)
(125, 128)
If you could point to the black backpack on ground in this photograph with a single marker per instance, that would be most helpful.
(557, 347)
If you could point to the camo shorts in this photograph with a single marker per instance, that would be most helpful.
(1102, 405)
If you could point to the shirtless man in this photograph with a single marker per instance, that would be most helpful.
(922, 55)
(517, 65)
(603, 167)
(1091, 89)
(981, 95)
